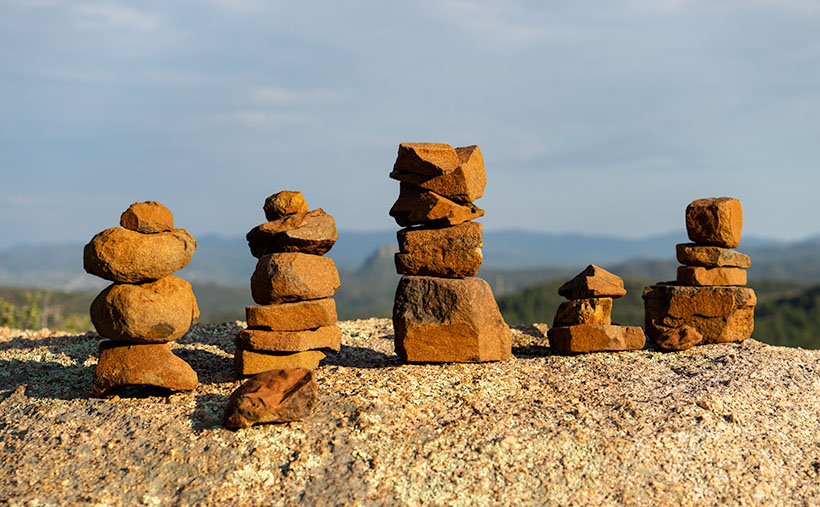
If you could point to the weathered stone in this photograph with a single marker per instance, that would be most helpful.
(147, 217)
(286, 202)
(595, 338)
(465, 184)
(272, 396)
(328, 338)
(709, 256)
(584, 311)
(715, 221)
(293, 316)
(679, 338)
(286, 277)
(417, 206)
(451, 252)
(249, 362)
(432, 159)
(125, 364)
(126, 256)
(720, 314)
(151, 312)
(442, 320)
(593, 282)
(313, 232)
(698, 275)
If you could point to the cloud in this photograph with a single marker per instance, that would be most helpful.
(261, 119)
(111, 15)
(504, 22)
(272, 95)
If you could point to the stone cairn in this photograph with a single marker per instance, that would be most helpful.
(441, 312)
(584, 323)
(707, 303)
(293, 284)
(147, 306)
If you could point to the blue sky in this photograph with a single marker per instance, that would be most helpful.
(605, 117)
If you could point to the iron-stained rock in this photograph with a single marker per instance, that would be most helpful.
(286, 202)
(272, 396)
(698, 275)
(417, 206)
(292, 316)
(249, 362)
(593, 282)
(679, 338)
(465, 184)
(691, 254)
(126, 364)
(147, 217)
(584, 311)
(328, 338)
(313, 232)
(450, 252)
(432, 159)
(715, 221)
(286, 277)
(595, 338)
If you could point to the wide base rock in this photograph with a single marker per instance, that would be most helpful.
(249, 362)
(595, 338)
(324, 338)
(125, 364)
(293, 316)
(272, 396)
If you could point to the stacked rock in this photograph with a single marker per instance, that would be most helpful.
(146, 307)
(707, 304)
(441, 312)
(293, 284)
(584, 323)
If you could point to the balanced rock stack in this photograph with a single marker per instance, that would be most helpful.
(584, 323)
(707, 304)
(293, 284)
(441, 312)
(147, 306)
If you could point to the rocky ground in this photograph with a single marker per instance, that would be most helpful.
(731, 423)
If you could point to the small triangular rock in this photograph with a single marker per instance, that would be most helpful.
(272, 396)
(593, 282)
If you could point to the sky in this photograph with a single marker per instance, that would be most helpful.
(593, 116)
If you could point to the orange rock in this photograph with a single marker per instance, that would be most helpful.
(249, 362)
(286, 202)
(679, 338)
(147, 217)
(584, 311)
(715, 221)
(272, 396)
(595, 338)
(451, 252)
(313, 232)
(126, 256)
(709, 256)
(698, 275)
(293, 316)
(287, 277)
(443, 320)
(126, 364)
(324, 338)
(153, 312)
(432, 159)
(593, 282)
(465, 184)
(417, 206)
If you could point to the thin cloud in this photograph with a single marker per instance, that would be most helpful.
(272, 95)
(114, 16)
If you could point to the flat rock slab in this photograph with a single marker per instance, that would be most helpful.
(324, 338)
(430, 159)
(450, 252)
(417, 206)
(147, 217)
(286, 202)
(124, 364)
(593, 282)
(313, 232)
(699, 275)
(250, 362)
(465, 184)
(715, 221)
(584, 311)
(293, 316)
(288, 277)
(692, 254)
(271, 397)
(595, 338)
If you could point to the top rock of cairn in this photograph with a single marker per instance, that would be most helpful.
(286, 202)
(147, 217)
(593, 282)
(431, 159)
(715, 221)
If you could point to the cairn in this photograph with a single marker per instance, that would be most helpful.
(293, 284)
(707, 304)
(147, 306)
(442, 312)
(584, 323)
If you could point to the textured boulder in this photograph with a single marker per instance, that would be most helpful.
(417, 206)
(709, 256)
(584, 311)
(593, 282)
(698, 275)
(465, 184)
(313, 232)
(431, 159)
(147, 217)
(126, 364)
(249, 362)
(441, 320)
(272, 396)
(595, 338)
(450, 252)
(327, 338)
(285, 277)
(151, 312)
(679, 338)
(715, 221)
(284, 203)
(126, 256)
(293, 316)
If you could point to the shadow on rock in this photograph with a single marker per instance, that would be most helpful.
(47, 379)
(360, 357)
(210, 368)
(77, 347)
(209, 411)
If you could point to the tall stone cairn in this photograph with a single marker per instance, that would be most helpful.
(707, 303)
(442, 313)
(146, 307)
(295, 322)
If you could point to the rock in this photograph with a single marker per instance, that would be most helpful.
(284, 203)
(450, 252)
(720, 314)
(698, 275)
(584, 311)
(465, 184)
(293, 316)
(313, 232)
(326, 338)
(593, 282)
(248, 362)
(286, 277)
(417, 206)
(709, 256)
(272, 396)
(441, 320)
(715, 221)
(152, 312)
(126, 256)
(595, 338)
(126, 364)
(679, 338)
(431, 159)
(147, 217)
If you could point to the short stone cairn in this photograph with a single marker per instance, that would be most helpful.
(295, 321)
(707, 304)
(441, 312)
(147, 306)
(584, 323)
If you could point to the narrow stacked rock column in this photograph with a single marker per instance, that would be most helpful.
(707, 304)
(146, 307)
(295, 322)
(442, 312)
(584, 323)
